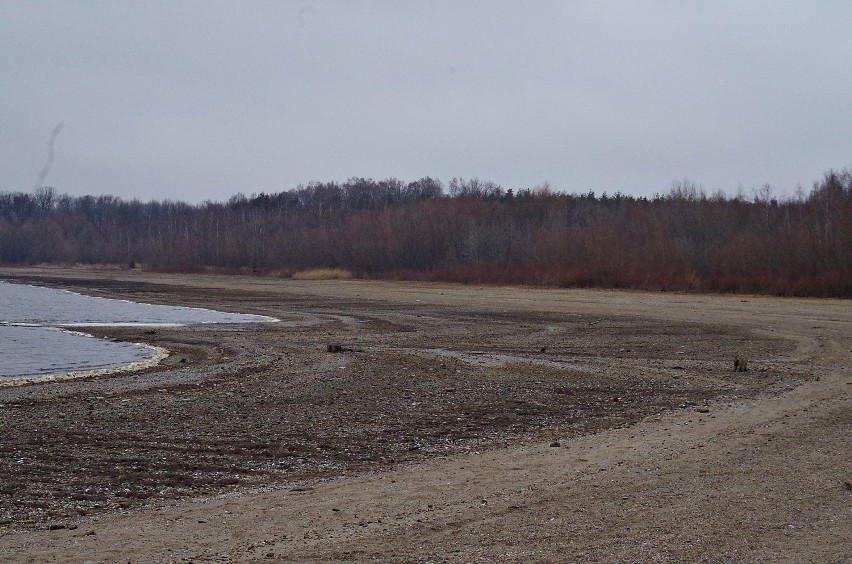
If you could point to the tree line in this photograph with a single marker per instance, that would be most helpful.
(469, 231)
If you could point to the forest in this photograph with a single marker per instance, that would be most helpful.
(469, 231)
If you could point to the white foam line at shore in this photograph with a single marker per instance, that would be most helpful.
(159, 354)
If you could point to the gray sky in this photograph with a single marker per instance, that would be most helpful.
(200, 100)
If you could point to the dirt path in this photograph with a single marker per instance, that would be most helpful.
(758, 480)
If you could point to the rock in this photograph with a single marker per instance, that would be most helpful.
(556, 443)
(740, 364)
(90, 533)
(334, 348)
(56, 527)
(702, 410)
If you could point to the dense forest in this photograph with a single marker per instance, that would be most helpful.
(470, 231)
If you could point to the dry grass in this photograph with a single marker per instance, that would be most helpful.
(323, 274)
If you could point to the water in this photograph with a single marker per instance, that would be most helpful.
(37, 352)
(35, 342)
(20, 303)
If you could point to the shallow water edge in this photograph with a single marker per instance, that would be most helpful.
(159, 355)
(41, 338)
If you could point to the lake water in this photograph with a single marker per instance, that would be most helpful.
(36, 342)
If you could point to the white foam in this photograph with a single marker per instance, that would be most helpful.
(31, 357)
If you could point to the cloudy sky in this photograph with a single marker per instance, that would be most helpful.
(201, 100)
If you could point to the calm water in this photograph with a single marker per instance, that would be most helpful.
(35, 343)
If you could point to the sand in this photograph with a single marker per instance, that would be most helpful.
(459, 424)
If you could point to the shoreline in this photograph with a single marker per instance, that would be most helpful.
(77, 329)
(430, 439)
(159, 355)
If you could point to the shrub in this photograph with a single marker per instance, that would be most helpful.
(323, 274)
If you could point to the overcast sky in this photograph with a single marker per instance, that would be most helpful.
(201, 100)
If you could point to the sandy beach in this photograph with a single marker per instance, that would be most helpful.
(454, 424)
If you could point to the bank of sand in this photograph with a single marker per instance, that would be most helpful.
(430, 439)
